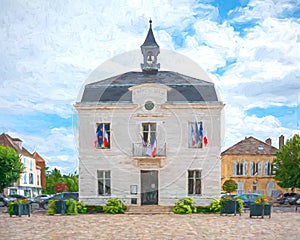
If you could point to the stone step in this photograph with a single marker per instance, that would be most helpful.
(149, 209)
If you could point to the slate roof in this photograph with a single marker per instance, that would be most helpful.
(250, 146)
(183, 88)
(8, 141)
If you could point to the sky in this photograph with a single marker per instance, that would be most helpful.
(49, 48)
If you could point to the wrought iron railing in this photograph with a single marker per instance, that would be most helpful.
(139, 150)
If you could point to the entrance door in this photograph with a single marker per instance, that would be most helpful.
(149, 187)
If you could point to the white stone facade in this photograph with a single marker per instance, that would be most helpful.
(173, 135)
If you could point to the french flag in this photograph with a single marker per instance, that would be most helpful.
(154, 147)
(105, 140)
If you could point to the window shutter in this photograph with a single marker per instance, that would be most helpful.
(251, 168)
(234, 168)
(245, 168)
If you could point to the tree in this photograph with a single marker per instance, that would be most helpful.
(287, 164)
(229, 186)
(11, 167)
(60, 187)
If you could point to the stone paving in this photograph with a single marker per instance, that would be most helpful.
(282, 225)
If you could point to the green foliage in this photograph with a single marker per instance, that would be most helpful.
(184, 206)
(287, 164)
(54, 177)
(114, 206)
(218, 204)
(230, 186)
(81, 207)
(215, 205)
(10, 167)
(52, 208)
(261, 200)
(11, 205)
(203, 209)
(94, 209)
(71, 207)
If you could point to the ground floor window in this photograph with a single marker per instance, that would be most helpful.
(194, 182)
(27, 193)
(104, 182)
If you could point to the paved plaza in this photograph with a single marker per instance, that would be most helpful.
(282, 225)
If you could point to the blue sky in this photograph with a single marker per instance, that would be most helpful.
(250, 49)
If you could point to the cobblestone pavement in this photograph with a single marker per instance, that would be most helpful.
(282, 225)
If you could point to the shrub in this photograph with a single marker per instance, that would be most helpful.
(71, 207)
(230, 186)
(114, 206)
(51, 207)
(184, 206)
(94, 209)
(215, 205)
(81, 207)
(203, 209)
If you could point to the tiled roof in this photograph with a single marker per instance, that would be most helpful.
(250, 146)
(8, 141)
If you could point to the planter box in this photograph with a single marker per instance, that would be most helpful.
(230, 207)
(60, 207)
(260, 210)
(21, 209)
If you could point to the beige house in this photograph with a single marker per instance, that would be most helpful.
(149, 137)
(30, 182)
(250, 164)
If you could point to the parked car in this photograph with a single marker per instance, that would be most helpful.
(293, 199)
(4, 201)
(284, 198)
(40, 198)
(249, 198)
(59, 196)
(17, 197)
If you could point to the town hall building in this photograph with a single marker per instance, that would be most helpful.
(149, 137)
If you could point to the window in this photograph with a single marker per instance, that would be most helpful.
(195, 136)
(239, 168)
(38, 180)
(254, 171)
(102, 135)
(27, 193)
(25, 178)
(24, 162)
(103, 182)
(194, 182)
(30, 178)
(268, 168)
(149, 132)
(30, 164)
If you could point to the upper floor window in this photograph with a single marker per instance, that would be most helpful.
(268, 168)
(30, 164)
(194, 182)
(38, 179)
(255, 168)
(102, 136)
(240, 168)
(25, 178)
(196, 136)
(149, 138)
(24, 162)
(30, 178)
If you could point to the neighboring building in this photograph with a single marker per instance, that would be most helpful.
(40, 162)
(150, 144)
(250, 164)
(30, 183)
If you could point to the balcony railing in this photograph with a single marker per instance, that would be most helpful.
(139, 150)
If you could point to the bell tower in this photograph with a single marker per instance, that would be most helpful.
(150, 51)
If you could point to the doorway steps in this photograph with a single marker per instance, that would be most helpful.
(149, 209)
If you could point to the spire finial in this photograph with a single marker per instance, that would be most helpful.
(150, 21)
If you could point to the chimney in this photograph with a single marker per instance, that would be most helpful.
(281, 141)
(269, 141)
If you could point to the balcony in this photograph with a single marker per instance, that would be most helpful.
(139, 151)
(143, 160)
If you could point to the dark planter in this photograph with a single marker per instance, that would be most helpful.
(230, 207)
(260, 210)
(21, 209)
(60, 207)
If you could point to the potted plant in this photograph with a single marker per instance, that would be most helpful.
(261, 207)
(230, 204)
(19, 208)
